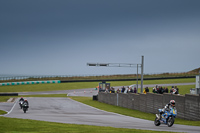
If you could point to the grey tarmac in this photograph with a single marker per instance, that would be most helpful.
(66, 110)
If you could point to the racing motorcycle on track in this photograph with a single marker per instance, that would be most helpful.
(20, 104)
(25, 107)
(168, 117)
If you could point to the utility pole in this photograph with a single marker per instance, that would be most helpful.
(142, 69)
(137, 78)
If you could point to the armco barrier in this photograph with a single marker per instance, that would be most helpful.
(188, 106)
(30, 82)
(8, 94)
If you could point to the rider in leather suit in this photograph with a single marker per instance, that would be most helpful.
(171, 104)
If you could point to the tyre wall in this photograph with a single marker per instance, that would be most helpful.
(30, 82)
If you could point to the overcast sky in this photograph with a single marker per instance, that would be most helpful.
(46, 37)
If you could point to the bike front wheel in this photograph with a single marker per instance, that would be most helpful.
(170, 121)
(157, 122)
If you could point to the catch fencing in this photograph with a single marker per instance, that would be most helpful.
(188, 106)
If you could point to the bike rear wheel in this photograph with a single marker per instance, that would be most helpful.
(24, 110)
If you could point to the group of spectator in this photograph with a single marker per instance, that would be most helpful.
(161, 90)
(156, 89)
(122, 90)
(128, 90)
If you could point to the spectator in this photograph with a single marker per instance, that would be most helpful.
(161, 90)
(174, 91)
(107, 91)
(166, 90)
(118, 91)
(171, 90)
(123, 89)
(144, 91)
(112, 90)
(154, 90)
(158, 91)
(130, 90)
(126, 90)
(147, 89)
(135, 90)
(177, 90)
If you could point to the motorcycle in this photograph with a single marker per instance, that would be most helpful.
(168, 117)
(25, 107)
(20, 104)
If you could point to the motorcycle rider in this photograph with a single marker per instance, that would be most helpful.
(25, 102)
(171, 104)
(21, 99)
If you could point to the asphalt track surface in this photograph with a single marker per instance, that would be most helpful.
(66, 110)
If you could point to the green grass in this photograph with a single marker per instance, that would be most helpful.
(2, 112)
(14, 125)
(47, 95)
(167, 81)
(82, 85)
(47, 87)
(5, 98)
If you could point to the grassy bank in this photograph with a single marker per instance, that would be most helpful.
(2, 112)
(82, 85)
(13, 125)
(5, 98)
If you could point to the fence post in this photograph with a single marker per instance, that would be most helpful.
(117, 99)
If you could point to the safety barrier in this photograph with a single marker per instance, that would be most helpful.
(188, 106)
(8, 94)
(30, 82)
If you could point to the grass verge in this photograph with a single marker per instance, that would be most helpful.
(14, 125)
(82, 85)
(2, 112)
